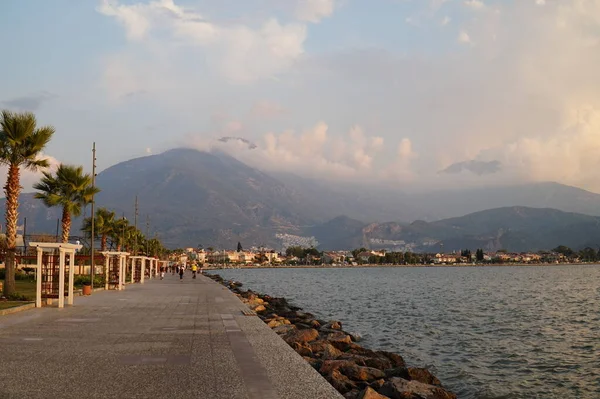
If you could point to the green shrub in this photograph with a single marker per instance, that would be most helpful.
(17, 297)
(79, 280)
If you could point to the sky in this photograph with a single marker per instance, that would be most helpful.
(408, 93)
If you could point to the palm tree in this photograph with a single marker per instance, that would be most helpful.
(21, 144)
(120, 233)
(104, 226)
(70, 189)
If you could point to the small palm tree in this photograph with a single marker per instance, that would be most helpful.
(21, 143)
(70, 189)
(104, 226)
(119, 232)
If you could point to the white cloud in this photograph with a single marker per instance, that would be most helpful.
(508, 96)
(314, 10)
(29, 178)
(239, 52)
(318, 153)
(463, 37)
(477, 4)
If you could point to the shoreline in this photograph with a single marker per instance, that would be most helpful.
(354, 371)
(398, 266)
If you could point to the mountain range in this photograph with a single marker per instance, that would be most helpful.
(189, 198)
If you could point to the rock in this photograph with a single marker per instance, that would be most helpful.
(315, 363)
(302, 349)
(353, 394)
(401, 372)
(286, 322)
(340, 382)
(284, 329)
(369, 393)
(380, 363)
(396, 360)
(399, 388)
(339, 337)
(307, 335)
(330, 365)
(318, 346)
(424, 376)
(377, 384)
(333, 325)
(330, 352)
(256, 301)
(274, 323)
(355, 337)
(356, 359)
(315, 324)
(358, 373)
(259, 308)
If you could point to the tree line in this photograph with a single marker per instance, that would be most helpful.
(22, 144)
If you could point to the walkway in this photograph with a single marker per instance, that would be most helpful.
(163, 339)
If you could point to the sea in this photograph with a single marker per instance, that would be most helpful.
(486, 332)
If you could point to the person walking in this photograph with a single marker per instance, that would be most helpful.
(194, 270)
(162, 272)
(181, 273)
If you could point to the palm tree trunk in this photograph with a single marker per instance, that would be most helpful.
(12, 189)
(66, 225)
(103, 240)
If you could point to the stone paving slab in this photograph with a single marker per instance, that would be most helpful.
(166, 338)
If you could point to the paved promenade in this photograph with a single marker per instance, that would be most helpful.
(163, 339)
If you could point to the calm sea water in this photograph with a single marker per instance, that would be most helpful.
(486, 332)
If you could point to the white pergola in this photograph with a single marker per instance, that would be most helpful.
(63, 250)
(153, 267)
(143, 260)
(122, 256)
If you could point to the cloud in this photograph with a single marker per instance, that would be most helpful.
(29, 103)
(479, 168)
(314, 10)
(524, 92)
(316, 152)
(29, 178)
(239, 52)
(463, 37)
(476, 4)
(267, 109)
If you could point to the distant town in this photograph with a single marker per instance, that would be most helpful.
(310, 256)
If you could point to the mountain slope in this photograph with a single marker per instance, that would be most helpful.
(211, 199)
(454, 203)
(512, 228)
(203, 198)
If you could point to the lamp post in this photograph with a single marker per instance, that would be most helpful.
(92, 264)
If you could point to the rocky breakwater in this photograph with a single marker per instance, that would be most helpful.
(356, 372)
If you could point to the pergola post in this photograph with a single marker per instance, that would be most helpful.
(149, 269)
(121, 272)
(106, 264)
(133, 260)
(143, 270)
(38, 279)
(61, 278)
(71, 276)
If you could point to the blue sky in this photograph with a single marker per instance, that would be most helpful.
(389, 90)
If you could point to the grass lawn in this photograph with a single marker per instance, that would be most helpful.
(26, 288)
(11, 304)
